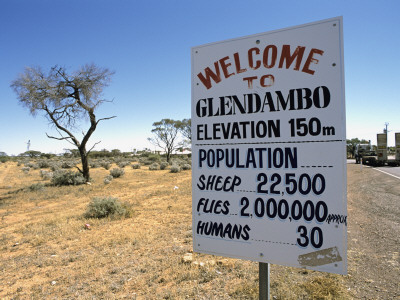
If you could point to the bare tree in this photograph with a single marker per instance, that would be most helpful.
(66, 100)
(165, 134)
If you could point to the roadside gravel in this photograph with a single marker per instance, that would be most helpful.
(373, 234)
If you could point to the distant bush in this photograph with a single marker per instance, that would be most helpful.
(3, 159)
(94, 164)
(43, 164)
(144, 161)
(163, 165)
(186, 167)
(177, 162)
(63, 177)
(47, 155)
(36, 187)
(154, 157)
(145, 154)
(108, 179)
(117, 172)
(107, 207)
(54, 166)
(46, 174)
(67, 164)
(123, 164)
(106, 165)
(175, 169)
(32, 165)
(25, 169)
(136, 166)
(154, 166)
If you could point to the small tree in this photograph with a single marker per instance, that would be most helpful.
(185, 128)
(65, 100)
(31, 153)
(165, 135)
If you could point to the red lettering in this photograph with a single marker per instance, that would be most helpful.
(267, 55)
(210, 75)
(225, 66)
(311, 59)
(271, 80)
(237, 64)
(250, 81)
(297, 54)
(251, 62)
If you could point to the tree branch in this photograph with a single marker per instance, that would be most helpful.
(72, 137)
(66, 138)
(80, 171)
(102, 119)
(93, 147)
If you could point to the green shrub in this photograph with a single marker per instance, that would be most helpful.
(144, 161)
(177, 161)
(43, 164)
(46, 174)
(123, 164)
(107, 207)
(163, 165)
(32, 165)
(108, 179)
(55, 166)
(186, 167)
(136, 166)
(94, 164)
(63, 177)
(36, 187)
(175, 169)
(154, 157)
(106, 165)
(67, 164)
(154, 166)
(25, 169)
(117, 172)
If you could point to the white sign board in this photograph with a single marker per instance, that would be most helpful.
(269, 147)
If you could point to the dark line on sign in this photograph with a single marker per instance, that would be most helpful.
(316, 166)
(265, 143)
(246, 191)
(273, 242)
(222, 239)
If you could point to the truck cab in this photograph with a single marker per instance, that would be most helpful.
(363, 150)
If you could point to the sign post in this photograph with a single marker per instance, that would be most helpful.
(263, 281)
(269, 148)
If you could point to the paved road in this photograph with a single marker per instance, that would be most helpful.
(395, 171)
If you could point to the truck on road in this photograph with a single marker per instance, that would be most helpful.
(363, 150)
(381, 157)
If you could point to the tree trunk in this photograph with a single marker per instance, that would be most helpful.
(168, 156)
(85, 164)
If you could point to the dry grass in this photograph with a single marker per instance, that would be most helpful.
(46, 252)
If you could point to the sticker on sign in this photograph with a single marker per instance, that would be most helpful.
(268, 147)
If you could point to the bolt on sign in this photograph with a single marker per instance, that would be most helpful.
(269, 155)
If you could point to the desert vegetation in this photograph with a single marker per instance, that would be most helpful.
(63, 237)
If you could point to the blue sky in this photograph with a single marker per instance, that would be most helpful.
(147, 43)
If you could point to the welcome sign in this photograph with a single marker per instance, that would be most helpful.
(268, 147)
